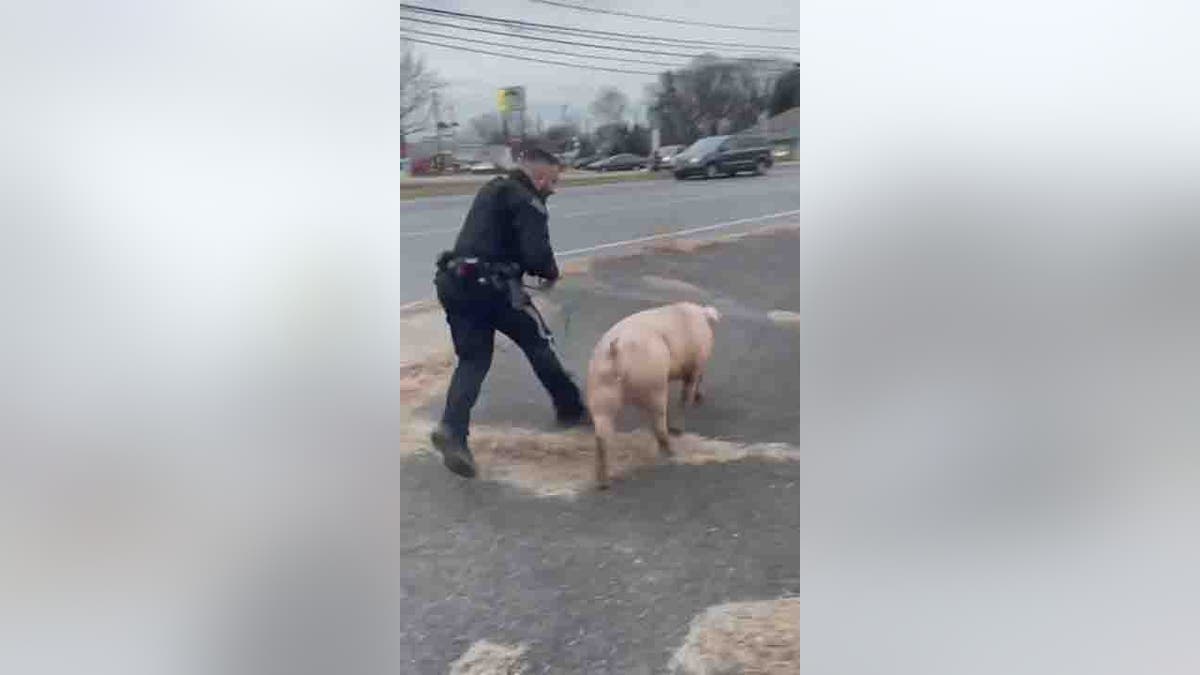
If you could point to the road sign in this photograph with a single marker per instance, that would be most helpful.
(510, 99)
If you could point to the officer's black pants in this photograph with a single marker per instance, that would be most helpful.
(474, 315)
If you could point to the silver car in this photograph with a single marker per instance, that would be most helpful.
(664, 157)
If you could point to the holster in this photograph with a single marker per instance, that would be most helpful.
(517, 297)
(463, 269)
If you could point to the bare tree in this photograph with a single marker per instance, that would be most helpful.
(786, 94)
(711, 96)
(609, 106)
(417, 84)
(666, 105)
(488, 128)
(558, 136)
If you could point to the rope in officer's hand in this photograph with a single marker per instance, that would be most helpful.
(544, 285)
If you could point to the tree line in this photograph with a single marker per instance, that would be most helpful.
(709, 96)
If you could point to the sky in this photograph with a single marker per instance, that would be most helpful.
(473, 78)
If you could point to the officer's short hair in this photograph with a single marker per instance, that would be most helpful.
(540, 156)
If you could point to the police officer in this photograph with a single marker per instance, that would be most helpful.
(504, 236)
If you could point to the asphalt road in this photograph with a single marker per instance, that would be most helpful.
(604, 584)
(608, 582)
(586, 217)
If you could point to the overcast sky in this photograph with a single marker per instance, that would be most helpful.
(474, 78)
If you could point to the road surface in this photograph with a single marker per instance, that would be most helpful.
(609, 582)
(582, 218)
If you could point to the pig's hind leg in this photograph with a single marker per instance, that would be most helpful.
(685, 394)
(604, 429)
(657, 410)
(689, 395)
(697, 396)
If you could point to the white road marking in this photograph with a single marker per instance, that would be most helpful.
(693, 230)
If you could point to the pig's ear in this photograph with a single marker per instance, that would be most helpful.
(712, 314)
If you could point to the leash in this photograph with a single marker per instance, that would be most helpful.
(568, 308)
(531, 309)
(728, 308)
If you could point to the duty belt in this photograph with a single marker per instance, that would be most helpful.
(504, 276)
(475, 268)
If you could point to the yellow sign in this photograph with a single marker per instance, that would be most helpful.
(510, 99)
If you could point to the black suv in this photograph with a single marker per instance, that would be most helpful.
(724, 156)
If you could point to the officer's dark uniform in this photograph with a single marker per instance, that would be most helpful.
(505, 228)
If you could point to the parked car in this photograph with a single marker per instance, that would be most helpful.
(622, 162)
(724, 156)
(485, 167)
(582, 162)
(664, 156)
(421, 167)
(436, 164)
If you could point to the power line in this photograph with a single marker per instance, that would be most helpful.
(647, 17)
(630, 37)
(547, 39)
(589, 45)
(529, 58)
(535, 49)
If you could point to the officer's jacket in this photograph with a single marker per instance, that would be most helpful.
(508, 223)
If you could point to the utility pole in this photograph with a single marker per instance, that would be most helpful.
(437, 130)
(452, 124)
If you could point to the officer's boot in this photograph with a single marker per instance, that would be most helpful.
(571, 413)
(455, 453)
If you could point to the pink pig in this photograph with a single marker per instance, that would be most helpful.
(635, 361)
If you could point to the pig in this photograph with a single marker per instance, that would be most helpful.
(635, 361)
